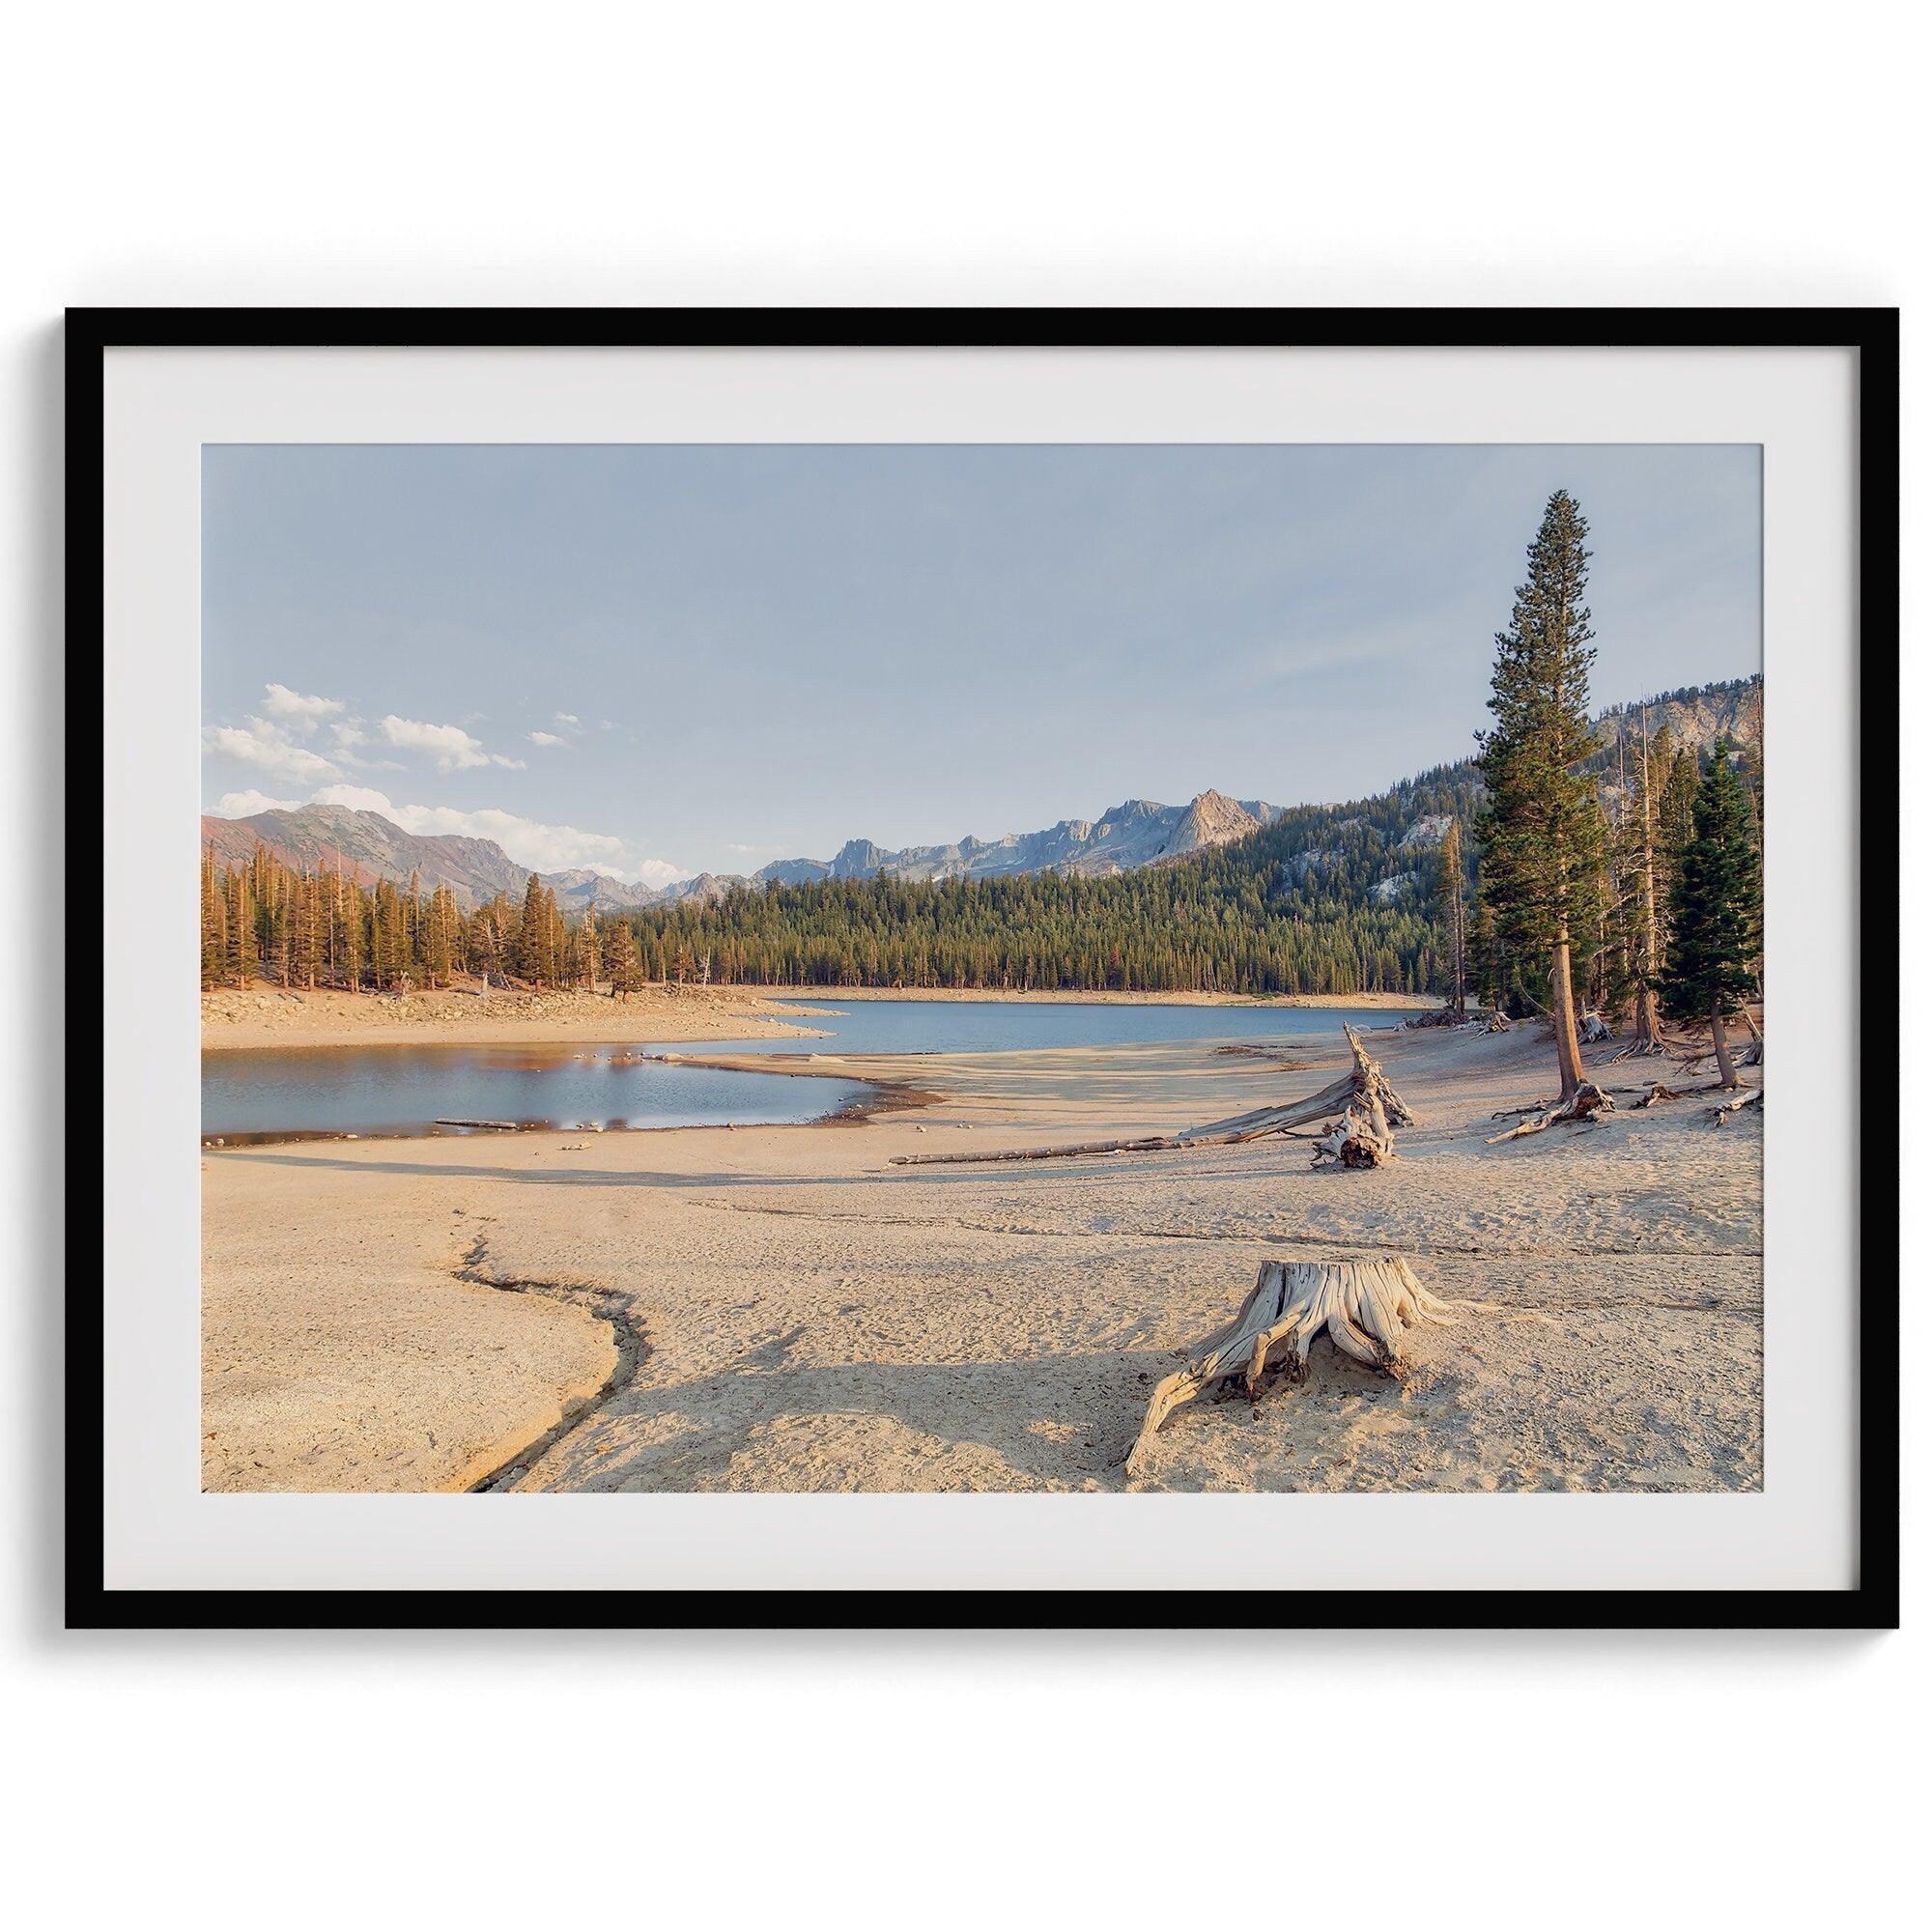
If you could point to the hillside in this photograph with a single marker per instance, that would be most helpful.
(1321, 898)
(1217, 893)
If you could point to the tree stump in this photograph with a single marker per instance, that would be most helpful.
(1364, 1306)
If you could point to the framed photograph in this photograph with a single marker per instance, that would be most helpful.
(983, 967)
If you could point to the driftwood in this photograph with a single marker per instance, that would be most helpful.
(1363, 1091)
(1592, 1029)
(502, 1126)
(1753, 1054)
(1754, 1099)
(1364, 1306)
(1659, 1093)
(1358, 1139)
(1589, 1099)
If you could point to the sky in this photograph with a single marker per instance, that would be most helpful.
(660, 660)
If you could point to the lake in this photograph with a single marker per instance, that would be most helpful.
(284, 1094)
(1009, 1026)
(291, 1094)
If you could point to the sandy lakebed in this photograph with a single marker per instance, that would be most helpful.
(782, 1309)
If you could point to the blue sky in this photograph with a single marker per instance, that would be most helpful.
(659, 660)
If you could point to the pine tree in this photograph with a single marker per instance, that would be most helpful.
(622, 966)
(536, 961)
(1541, 828)
(1715, 918)
(1450, 895)
(1674, 813)
(213, 922)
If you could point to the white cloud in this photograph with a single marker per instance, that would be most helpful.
(246, 804)
(509, 764)
(543, 849)
(264, 744)
(568, 718)
(356, 798)
(547, 738)
(300, 714)
(452, 747)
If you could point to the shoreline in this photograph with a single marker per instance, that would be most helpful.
(264, 1016)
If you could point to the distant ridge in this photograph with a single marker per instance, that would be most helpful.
(1134, 834)
(367, 848)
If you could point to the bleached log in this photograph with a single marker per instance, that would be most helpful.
(1753, 1054)
(1589, 1099)
(1362, 1306)
(1364, 1087)
(1591, 1030)
(1754, 1099)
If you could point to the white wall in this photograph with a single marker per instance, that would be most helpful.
(997, 154)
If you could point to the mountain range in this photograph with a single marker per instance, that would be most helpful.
(1135, 834)
(367, 846)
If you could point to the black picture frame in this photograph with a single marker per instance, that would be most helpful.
(1873, 1603)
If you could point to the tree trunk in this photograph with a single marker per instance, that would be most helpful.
(1647, 1040)
(1727, 1074)
(1569, 1056)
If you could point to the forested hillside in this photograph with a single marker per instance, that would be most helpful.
(1330, 898)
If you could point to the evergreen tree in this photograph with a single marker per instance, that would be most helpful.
(1674, 813)
(536, 958)
(1541, 828)
(1449, 894)
(622, 965)
(1717, 915)
(213, 922)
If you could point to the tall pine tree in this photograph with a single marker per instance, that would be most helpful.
(1450, 895)
(1716, 922)
(1541, 829)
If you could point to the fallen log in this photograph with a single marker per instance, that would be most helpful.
(1589, 1099)
(502, 1126)
(1754, 1099)
(1364, 1088)
(1362, 1306)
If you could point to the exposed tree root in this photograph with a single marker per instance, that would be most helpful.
(1658, 1093)
(1589, 1099)
(1364, 1091)
(1363, 1306)
(1592, 1029)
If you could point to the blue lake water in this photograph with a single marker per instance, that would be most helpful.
(276, 1094)
(1007, 1026)
(281, 1094)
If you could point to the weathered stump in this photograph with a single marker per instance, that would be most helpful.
(1589, 1099)
(1363, 1307)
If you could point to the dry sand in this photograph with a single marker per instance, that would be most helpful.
(265, 1015)
(790, 1312)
